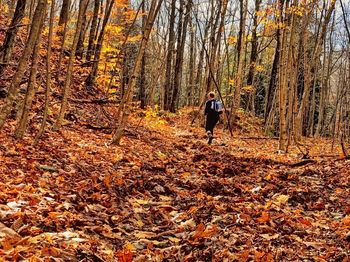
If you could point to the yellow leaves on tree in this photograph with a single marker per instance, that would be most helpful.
(248, 89)
(122, 3)
(232, 40)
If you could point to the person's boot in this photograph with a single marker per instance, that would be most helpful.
(210, 137)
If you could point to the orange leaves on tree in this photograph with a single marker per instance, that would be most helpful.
(232, 40)
(122, 3)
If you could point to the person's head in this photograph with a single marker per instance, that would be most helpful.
(211, 95)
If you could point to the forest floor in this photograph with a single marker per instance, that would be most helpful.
(165, 195)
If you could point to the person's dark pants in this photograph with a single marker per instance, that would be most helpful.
(211, 123)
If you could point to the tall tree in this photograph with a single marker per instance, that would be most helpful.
(240, 62)
(48, 74)
(124, 109)
(169, 59)
(6, 48)
(93, 29)
(64, 13)
(67, 87)
(143, 65)
(90, 81)
(253, 53)
(311, 69)
(22, 63)
(30, 93)
(182, 33)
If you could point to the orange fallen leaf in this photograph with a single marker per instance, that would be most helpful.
(125, 256)
(305, 222)
(199, 231)
(107, 181)
(264, 217)
(243, 257)
(346, 221)
(202, 231)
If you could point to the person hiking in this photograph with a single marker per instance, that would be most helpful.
(213, 110)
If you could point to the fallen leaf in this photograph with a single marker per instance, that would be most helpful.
(264, 217)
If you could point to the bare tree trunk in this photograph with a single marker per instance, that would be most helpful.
(199, 74)
(48, 74)
(6, 48)
(80, 45)
(143, 67)
(67, 87)
(62, 32)
(273, 79)
(22, 63)
(215, 37)
(28, 100)
(125, 104)
(311, 67)
(239, 76)
(169, 60)
(283, 136)
(93, 29)
(253, 54)
(190, 82)
(64, 12)
(288, 78)
(90, 82)
(180, 55)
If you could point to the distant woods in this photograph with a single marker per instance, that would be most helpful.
(286, 62)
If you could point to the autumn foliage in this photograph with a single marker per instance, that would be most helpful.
(103, 155)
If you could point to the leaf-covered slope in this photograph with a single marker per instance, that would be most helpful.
(167, 196)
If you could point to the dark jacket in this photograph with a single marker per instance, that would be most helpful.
(209, 110)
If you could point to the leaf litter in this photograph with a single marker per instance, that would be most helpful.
(165, 195)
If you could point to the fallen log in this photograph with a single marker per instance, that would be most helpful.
(93, 101)
(303, 163)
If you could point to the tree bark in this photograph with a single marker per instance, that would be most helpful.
(169, 60)
(191, 73)
(80, 45)
(182, 33)
(90, 82)
(48, 74)
(273, 78)
(93, 29)
(125, 104)
(67, 87)
(143, 66)
(28, 99)
(240, 65)
(253, 54)
(311, 68)
(6, 48)
(22, 63)
(64, 12)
